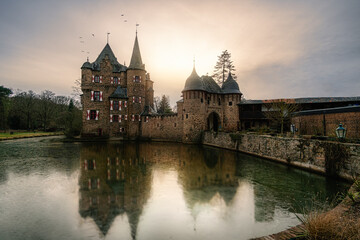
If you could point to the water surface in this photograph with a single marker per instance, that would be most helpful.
(55, 190)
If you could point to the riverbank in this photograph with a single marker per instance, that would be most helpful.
(341, 222)
(18, 135)
(335, 159)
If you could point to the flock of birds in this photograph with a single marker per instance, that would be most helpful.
(93, 35)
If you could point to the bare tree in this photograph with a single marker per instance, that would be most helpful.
(279, 112)
(222, 67)
(45, 108)
(24, 107)
(76, 90)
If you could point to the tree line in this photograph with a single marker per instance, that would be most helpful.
(27, 110)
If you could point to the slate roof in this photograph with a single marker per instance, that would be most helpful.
(194, 82)
(119, 93)
(305, 100)
(148, 111)
(230, 85)
(208, 84)
(117, 67)
(136, 62)
(328, 110)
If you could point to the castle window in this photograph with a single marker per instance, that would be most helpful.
(116, 105)
(115, 118)
(137, 79)
(97, 96)
(202, 100)
(92, 114)
(187, 116)
(208, 100)
(174, 124)
(97, 79)
(230, 103)
(116, 80)
(219, 101)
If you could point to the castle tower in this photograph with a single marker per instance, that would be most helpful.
(99, 80)
(232, 97)
(136, 90)
(193, 108)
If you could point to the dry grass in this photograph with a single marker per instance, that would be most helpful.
(332, 226)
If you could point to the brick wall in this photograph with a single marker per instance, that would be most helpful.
(326, 124)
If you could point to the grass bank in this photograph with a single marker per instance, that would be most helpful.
(17, 135)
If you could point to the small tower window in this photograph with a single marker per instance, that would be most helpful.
(97, 79)
(230, 103)
(92, 114)
(202, 100)
(97, 96)
(116, 80)
(137, 79)
(187, 116)
(219, 101)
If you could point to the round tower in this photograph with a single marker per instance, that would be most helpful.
(193, 109)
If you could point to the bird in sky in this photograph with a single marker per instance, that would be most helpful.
(93, 34)
(122, 15)
(125, 21)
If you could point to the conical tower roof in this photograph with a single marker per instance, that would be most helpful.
(194, 82)
(230, 85)
(136, 62)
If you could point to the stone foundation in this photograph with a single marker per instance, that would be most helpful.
(329, 158)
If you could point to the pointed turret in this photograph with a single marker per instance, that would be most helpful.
(136, 62)
(230, 85)
(194, 82)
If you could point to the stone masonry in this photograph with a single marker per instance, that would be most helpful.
(118, 102)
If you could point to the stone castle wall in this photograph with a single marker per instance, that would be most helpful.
(165, 128)
(330, 158)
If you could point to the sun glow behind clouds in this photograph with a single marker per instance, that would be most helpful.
(275, 45)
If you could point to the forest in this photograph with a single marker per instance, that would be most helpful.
(30, 111)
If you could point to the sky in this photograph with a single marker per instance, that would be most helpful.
(280, 48)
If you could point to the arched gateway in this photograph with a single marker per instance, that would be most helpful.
(213, 122)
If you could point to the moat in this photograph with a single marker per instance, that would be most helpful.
(111, 190)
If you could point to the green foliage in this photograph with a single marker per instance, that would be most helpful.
(73, 121)
(46, 111)
(163, 105)
(4, 106)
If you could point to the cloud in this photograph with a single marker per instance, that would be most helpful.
(280, 49)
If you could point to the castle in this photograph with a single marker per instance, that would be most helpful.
(118, 102)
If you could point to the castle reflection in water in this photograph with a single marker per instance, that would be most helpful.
(116, 179)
